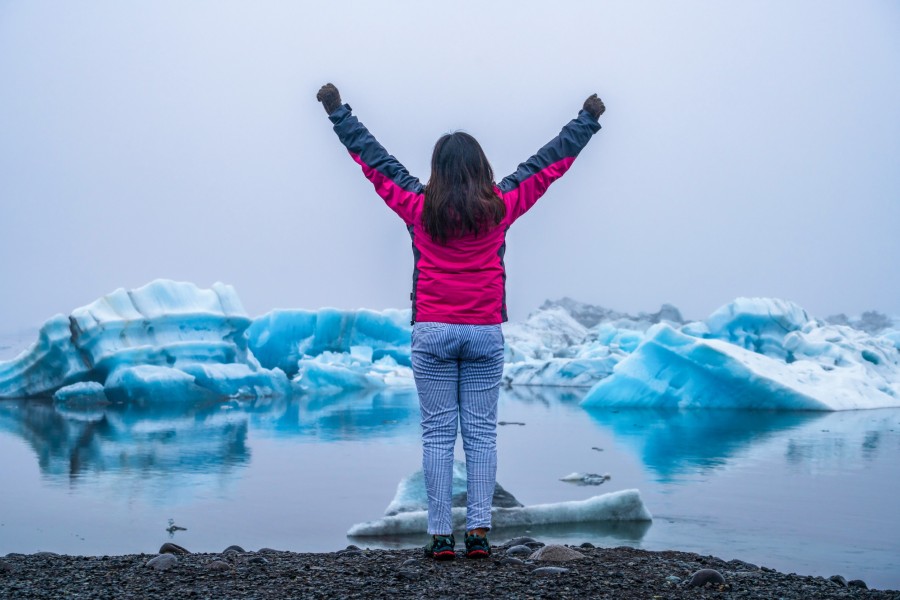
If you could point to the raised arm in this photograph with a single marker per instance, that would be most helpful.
(523, 188)
(402, 192)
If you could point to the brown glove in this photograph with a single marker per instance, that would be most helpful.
(593, 105)
(329, 97)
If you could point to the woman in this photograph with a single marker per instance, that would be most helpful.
(458, 224)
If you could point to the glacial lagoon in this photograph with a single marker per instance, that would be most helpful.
(807, 492)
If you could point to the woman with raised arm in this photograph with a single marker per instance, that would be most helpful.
(458, 223)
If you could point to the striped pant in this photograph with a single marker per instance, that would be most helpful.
(458, 370)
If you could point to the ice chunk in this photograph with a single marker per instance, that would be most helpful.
(411, 495)
(757, 324)
(84, 393)
(624, 505)
(165, 335)
(824, 368)
(282, 338)
(408, 511)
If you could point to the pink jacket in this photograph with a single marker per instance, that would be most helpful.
(464, 281)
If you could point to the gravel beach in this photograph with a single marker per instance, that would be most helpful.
(523, 569)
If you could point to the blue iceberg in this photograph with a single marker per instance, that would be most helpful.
(756, 353)
(166, 339)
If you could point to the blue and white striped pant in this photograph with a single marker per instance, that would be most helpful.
(458, 370)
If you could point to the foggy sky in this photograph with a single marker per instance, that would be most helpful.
(749, 148)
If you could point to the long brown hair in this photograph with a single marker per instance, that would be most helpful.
(460, 196)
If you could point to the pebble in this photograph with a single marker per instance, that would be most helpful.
(550, 570)
(218, 565)
(408, 574)
(587, 545)
(170, 548)
(260, 560)
(556, 553)
(521, 541)
(268, 551)
(673, 579)
(857, 583)
(838, 579)
(233, 548)
(704, 576)
(5, 567)
(520, 550)
(162, 562)
(409, 562)
(509, 560)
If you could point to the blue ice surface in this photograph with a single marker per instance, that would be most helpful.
(166, 339)
(755, 353)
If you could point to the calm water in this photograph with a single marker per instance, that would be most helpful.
(801, 492)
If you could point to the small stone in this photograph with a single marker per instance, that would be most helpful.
(349, 553)
(162, 562)
(587, 546)
(409, 562)
(352, 547)
(519, 550)
(268, 551)
(259, 560)
(857, 583)
(408, 574)
(520, 541)
(673, 579)
(556, 553)
(838, 579)
(218, 565)
(170, 548)
(704, 576)
(550, 570)
(509, 560)
(233, 548)
(5, 567)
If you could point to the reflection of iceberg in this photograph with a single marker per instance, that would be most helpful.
(755, 353)
(407, 512)
(672, 442)
(164, 338)
(132, 441)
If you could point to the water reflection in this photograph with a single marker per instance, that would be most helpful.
(672, 443)
(199, 437)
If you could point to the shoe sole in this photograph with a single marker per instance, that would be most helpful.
(478, 554)
(445, 555)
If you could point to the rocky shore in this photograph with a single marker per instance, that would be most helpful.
(523, 568)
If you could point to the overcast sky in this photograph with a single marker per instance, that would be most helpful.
(749, 148)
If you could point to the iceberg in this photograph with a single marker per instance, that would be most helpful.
(756, 353)
(408, 511)
(164, 338)
(335, 350)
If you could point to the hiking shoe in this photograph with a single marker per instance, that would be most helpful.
(441, 547)
(477, 546)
